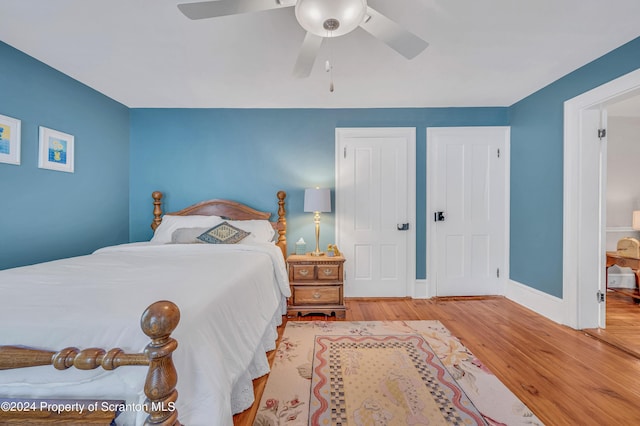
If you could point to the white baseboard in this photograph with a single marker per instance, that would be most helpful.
(542, 303)
(421, 289)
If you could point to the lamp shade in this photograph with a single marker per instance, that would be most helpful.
(317, 200)
(636, 220)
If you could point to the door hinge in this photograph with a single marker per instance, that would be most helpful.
(498, 272)
(345, 152)
(498, 152)
(602, 133)
(600, 296)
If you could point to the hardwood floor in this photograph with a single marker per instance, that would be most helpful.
(622, 325)
(564, 376)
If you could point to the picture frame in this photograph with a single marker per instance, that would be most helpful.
(56, 150)
(9, 140)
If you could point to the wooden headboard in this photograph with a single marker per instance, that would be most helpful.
(231, 210)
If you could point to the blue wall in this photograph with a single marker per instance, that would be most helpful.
(537, 164)
(48, 214)
(249, 154)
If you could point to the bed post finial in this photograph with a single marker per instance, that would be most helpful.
(158, 322)
(157, 209)
(282, 223)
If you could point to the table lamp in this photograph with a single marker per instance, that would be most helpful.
(317, 200)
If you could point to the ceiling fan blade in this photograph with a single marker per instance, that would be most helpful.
(402, 41)
(211, 9)
(307, 56)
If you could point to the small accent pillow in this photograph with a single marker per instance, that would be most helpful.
(223, 234)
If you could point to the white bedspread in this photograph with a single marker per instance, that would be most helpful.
(230, 298)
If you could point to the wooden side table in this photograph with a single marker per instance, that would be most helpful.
(316, 285)
(613, 258)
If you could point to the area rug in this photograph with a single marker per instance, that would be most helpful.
(382, 373)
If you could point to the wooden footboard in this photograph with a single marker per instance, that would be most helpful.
(158, 322)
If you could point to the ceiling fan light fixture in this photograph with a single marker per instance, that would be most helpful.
(331, 24)
(342, 15)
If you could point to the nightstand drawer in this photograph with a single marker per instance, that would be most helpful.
(321, 295)
(303, 272)
(328, 272)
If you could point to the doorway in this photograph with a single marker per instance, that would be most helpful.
(622, 316)
(584, 201)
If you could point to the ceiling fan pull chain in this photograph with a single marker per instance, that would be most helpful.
(329, 68)
(328, 65)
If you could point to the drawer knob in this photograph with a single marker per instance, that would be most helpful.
(327, 272)
(304, 272)
(316, 295)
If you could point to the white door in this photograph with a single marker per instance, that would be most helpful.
(467, 210)
(375, 200)
(592, 275)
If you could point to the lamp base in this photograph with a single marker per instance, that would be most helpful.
(316, 253)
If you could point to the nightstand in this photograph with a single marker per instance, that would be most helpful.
(316, 285)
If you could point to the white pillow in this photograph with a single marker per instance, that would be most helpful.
(188, 235)
(170, 223)
(261, 230)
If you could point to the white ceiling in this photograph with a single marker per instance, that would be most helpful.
(145, 53)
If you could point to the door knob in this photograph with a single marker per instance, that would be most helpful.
(403, 227)
(438, 216)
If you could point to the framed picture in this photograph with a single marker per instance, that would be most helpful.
(56, 150)
(9, 140)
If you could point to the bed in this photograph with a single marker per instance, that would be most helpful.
(231, 298)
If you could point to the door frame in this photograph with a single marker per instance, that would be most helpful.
(410, 134)
(430, 227)
(579, 312)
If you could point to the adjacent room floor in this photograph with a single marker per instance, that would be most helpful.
(623, 324)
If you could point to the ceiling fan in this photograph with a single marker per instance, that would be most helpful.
(321, 18)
